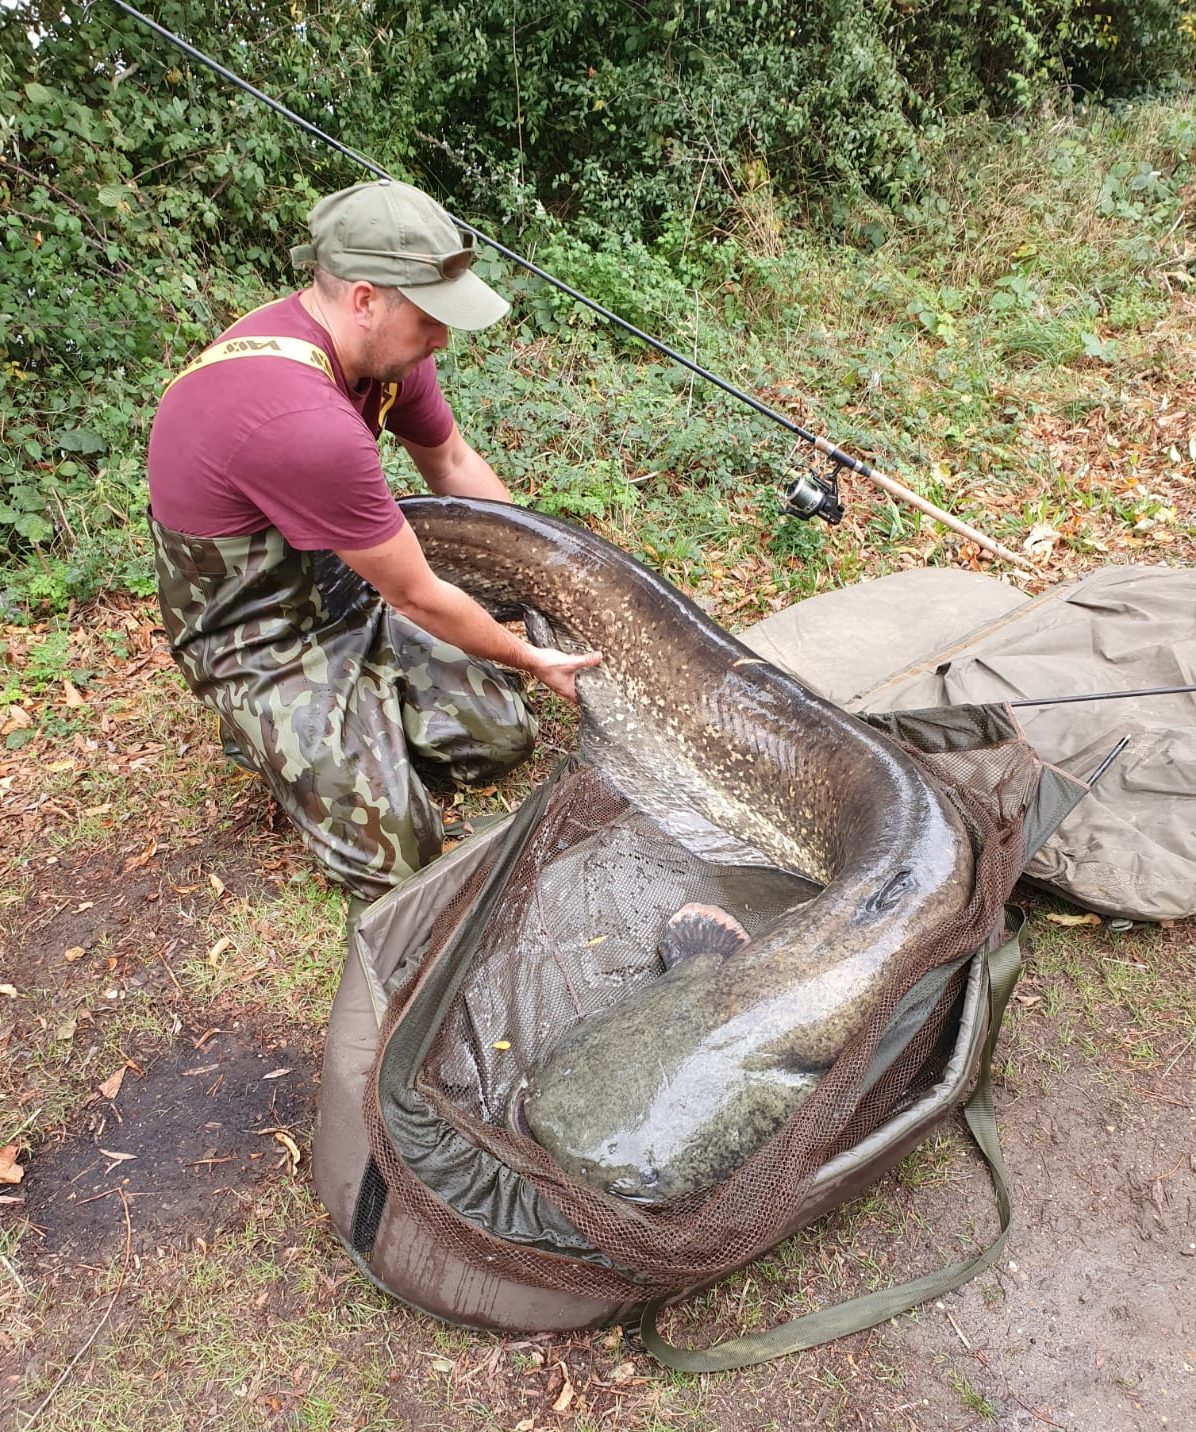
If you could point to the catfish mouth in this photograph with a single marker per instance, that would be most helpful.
(631, 1188)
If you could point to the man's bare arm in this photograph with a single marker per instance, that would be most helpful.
(399, 571)
(454, 469)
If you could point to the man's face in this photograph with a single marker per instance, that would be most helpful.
(400, 335)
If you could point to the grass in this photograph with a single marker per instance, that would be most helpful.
(970, 1398)
(284, 948)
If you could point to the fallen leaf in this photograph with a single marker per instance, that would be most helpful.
(1087, 919)
(71, 695)
(117, 1158)
(1040, 540)
(135, 861)
(87, 904)
(110, 1088)
(10, 1170)
(276, 1073)
(291, 1147)
(566, 1393)
(9, 990)
(217, 885)
(66, 1030)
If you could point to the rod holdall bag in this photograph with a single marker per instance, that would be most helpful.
(457, 983)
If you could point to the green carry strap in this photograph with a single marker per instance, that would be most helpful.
(1004, 966)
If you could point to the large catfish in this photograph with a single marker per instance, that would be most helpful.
(669, 1090)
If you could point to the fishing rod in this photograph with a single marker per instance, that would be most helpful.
(808, 495)
(1101, 696)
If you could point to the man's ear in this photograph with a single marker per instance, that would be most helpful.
(364, 299)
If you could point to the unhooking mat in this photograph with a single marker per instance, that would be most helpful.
(930, 638)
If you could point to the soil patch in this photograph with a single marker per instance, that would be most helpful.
(211, 1117)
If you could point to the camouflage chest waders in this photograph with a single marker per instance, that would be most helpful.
(333, 697)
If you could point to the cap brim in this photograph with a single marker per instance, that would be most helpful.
(463, 302)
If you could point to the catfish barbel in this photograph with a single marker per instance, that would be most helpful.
(670, 1090)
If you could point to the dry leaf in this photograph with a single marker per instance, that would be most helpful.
(222, 944)
(276, 1073)
(566, 1394)
(110, 1088)
(86, 905)
(10, 1170)
(66, 1030)
(134, 861)
(291, 1147)
(9, 990)
(1086, 919)
(217, 885)
(1041, 539)
(18, 719)
(117, 1158)
(71, 694)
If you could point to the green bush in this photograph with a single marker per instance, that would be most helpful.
(655, 154)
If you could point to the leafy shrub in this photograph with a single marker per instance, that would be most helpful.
(656, 153)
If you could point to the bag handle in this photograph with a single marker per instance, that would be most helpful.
(811, 1329)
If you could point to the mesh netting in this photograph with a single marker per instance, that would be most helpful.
(575, 929)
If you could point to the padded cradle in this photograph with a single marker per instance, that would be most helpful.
(466, 975)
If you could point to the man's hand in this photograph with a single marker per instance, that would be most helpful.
(558, 669)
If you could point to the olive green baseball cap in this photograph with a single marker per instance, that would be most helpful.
(394, 235)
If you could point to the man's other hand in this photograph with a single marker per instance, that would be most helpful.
(558, 669)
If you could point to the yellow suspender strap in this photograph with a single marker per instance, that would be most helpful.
(298, 350)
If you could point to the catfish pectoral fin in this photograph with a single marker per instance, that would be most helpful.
(700, 930)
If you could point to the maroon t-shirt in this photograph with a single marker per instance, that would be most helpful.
(257, 442)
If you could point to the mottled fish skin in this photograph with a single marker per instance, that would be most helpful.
(669, 1091)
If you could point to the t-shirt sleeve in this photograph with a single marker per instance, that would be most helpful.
(316, 475)
(419, 413)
